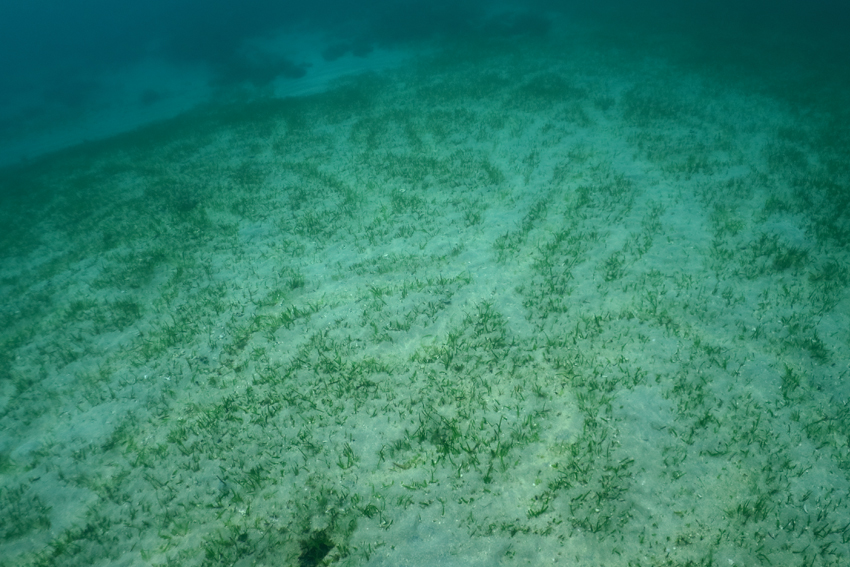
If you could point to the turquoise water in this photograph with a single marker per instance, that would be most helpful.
(566, 300)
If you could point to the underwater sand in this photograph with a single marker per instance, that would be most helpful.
(564, 304)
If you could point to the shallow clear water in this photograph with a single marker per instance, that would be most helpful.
(564, 300)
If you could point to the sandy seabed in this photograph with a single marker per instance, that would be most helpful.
(566, 304)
